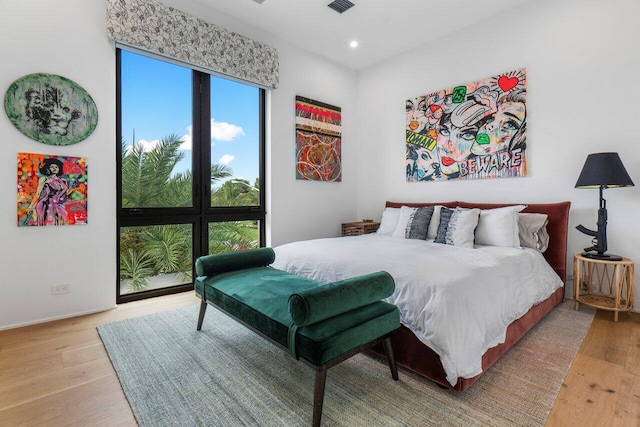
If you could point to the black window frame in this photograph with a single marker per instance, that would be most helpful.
(201, 213)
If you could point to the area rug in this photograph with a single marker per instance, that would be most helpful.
(226, 375)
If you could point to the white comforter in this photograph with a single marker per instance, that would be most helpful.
(458, 301)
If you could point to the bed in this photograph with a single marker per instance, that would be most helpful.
(438, 285)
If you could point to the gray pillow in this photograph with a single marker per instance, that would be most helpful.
(532, 231)
(418, 224)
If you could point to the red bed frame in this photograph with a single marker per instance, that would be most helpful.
(412, 354)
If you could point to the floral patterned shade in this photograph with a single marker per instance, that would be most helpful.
(170, 32)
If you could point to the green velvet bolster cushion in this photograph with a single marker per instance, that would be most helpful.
(210, 265)
(317, 304)
(337, 301)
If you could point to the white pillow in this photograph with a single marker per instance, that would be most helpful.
(457, 226)
(499, 227)
(403, 220)
(435, 221)
(389, 221)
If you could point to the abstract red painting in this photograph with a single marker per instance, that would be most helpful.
(318, 141)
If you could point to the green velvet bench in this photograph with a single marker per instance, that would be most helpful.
(320, 324)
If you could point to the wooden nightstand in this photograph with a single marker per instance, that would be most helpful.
(604, 284)
(359, 227)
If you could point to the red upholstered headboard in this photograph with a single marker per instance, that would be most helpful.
(558, 215)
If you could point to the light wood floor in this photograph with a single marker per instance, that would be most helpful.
(58, 373)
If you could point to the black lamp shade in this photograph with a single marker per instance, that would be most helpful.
(603, 170)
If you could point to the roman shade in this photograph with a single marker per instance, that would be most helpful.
(163, 30)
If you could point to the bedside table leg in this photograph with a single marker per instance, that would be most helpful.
(631, 278)
(576, 283)
(618, 277)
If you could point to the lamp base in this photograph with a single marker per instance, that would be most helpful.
(603, 257)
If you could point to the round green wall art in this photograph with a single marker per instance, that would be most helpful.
(51, 109)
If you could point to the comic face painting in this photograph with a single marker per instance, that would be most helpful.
(472, 131)
(52, 190)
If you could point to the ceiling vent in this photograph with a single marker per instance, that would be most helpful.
(341, 5)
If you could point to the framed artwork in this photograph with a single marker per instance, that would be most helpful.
(318, 141)
(472, 131)
(51, 109)
(52, 190)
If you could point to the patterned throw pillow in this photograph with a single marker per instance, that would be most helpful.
(403, 221)
(457, 226)
(435, 222)
(419, 223)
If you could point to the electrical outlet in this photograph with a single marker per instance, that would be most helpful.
(60, 289)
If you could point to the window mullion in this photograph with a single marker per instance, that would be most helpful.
(201, 153)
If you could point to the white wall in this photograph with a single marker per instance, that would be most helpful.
(583, 61)
(65, 38)
(68, 37)
(308, 209)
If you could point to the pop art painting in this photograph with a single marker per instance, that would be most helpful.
(318, 141)
(52, 190)
(471, 131)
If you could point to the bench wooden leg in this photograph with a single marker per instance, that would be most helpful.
(318, 395)
(388, 350)
(203, 308)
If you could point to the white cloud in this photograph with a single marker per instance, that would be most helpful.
(226, 159)
(220, 131)
(223, 131)
(186, 141)
(148, 145)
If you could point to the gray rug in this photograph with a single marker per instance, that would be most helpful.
(226, 375)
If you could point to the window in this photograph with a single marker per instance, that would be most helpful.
(191, 165)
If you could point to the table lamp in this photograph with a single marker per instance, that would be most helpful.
(602, 170)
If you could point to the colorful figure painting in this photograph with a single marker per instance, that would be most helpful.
(318, 141)
(52, 190)
(472, 131)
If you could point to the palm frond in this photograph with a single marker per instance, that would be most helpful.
(145, 173)
(135, 268)
(169, 246)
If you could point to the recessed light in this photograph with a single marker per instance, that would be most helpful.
(353, 44)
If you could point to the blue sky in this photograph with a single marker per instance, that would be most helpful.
(156, 102)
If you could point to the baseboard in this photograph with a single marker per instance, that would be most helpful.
(52, 319)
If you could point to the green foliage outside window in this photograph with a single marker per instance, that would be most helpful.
(148, 181)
